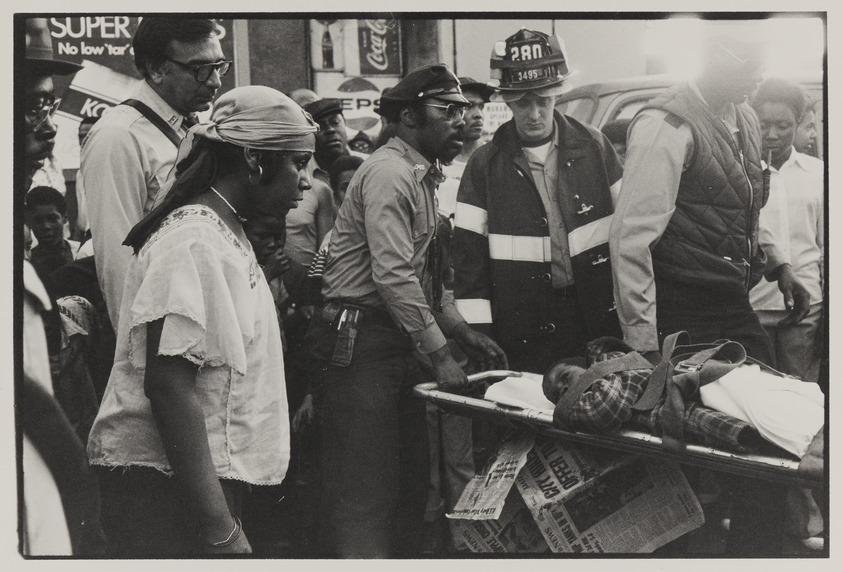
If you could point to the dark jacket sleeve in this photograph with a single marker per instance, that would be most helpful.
(470, 249)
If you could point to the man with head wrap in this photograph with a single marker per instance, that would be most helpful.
(196, 407)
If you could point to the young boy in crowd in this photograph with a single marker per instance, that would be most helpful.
(268, 235)
(46, 215)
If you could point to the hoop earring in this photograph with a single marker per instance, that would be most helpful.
(260, 176)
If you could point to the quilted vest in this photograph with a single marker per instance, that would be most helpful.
(711, 241)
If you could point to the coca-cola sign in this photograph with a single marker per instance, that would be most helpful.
(380, 47)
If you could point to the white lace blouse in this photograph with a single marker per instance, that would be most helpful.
(218, 313)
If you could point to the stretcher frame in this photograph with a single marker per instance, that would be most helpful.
(775, 469)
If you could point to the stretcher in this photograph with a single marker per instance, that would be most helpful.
(782, 470)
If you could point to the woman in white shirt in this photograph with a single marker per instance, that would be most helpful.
(197, 392)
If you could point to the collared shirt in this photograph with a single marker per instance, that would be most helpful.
(447, 191)
(125, 161)
(218, 313)
(302, 240)
(791, 227)
(378, 254)
(657, 154)
(545, 170)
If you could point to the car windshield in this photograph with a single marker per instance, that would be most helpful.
(581, 108)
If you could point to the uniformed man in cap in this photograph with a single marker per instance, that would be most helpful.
(451, 439)
(531, 254)
(383, 306)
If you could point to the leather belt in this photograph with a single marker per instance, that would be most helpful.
(332, 311)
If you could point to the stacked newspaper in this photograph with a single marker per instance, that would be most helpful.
(573, 499)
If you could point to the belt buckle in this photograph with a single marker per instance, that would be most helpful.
(685, 367)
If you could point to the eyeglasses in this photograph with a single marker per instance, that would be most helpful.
(731, 53)
(40, 109)
(202, 73)
(452, 110)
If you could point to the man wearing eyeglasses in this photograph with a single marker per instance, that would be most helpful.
(60, 513)
(40, 104)
(684, 241)
(384, 315)
(531, 253)
(131, 150)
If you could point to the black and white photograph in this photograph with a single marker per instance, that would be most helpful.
(439, 283)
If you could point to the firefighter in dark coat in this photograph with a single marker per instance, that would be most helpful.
(531, 253)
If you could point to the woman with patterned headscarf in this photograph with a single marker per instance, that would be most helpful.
(195, 408)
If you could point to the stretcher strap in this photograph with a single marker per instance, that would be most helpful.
(658, 379)
(570, 395)
(692, 368)
(155, 119)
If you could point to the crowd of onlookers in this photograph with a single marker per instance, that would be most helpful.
(236, 316)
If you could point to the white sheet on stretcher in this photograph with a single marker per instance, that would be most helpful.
(786, 411)
(525, 392)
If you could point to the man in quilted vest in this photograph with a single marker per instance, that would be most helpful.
(684, 239)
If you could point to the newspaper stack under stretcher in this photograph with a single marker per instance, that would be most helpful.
(573, 499)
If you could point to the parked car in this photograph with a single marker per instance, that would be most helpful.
(602, 102)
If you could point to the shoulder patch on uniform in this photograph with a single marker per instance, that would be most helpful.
(673, 120)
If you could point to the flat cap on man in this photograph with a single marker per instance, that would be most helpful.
(484, 90)
(322, 108)
(435, 80)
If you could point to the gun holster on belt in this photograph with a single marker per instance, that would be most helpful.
(347, 320)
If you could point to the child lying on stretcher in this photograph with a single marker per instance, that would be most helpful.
(789, 414)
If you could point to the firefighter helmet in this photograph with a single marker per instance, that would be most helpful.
(529, 61)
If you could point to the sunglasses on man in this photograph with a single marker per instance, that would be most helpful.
(452, 110)
(202, 73)
(40, 109)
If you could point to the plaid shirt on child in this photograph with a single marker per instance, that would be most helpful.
(607, 406)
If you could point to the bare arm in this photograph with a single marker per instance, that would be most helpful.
(170, 383)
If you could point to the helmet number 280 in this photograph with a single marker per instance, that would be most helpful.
(525, 52)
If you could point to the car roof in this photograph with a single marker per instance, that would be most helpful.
(802, 77)
(620, 85)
